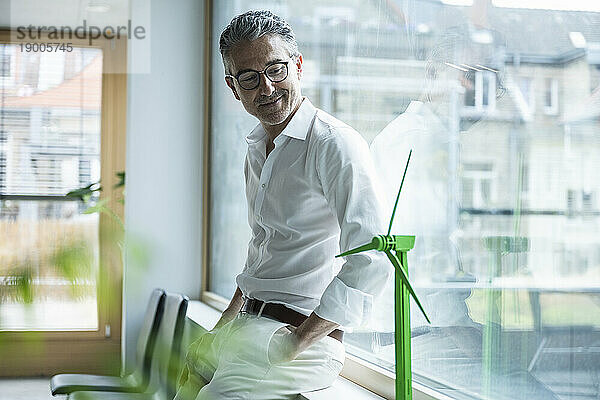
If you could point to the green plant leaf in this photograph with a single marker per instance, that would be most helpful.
(74, 261)
(21, 279)
(121, 176)
(84, 192)
(100, 206)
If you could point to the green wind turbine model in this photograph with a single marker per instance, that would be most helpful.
(400, 245)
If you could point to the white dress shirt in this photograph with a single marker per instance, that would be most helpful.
(315, 193)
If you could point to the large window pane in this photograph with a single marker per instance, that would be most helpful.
(502, 193)
(49, 145)
(35, 234)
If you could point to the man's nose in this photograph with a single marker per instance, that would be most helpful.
(265, 85)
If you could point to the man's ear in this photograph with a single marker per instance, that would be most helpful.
(299, 65)
(229, 82)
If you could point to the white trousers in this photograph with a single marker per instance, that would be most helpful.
(235, 362)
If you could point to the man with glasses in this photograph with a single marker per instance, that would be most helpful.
(311, 192)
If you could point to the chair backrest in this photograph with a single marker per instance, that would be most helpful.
(147, 337)
(166, 356)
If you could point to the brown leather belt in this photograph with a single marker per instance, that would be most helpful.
(281, 313)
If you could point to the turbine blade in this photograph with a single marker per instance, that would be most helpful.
(398, 196)
(405, 280)
(360, 249)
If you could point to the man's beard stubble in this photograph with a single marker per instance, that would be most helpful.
(279, 115)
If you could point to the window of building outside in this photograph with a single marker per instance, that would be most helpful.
(4, 65)
(49, 145)
(551, 96)
(504, 205)
(527, 92)
(480, 89)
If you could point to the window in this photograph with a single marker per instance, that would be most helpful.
(48, 121)
(551, 96)
(507, 258)
(580, 203)
(477, 180)
(4, 65)
(49, 145)
(7, 66)
(480, 90)
(527, 92)
(2, 170)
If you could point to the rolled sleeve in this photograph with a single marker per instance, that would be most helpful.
(344, 305)
(350, 185)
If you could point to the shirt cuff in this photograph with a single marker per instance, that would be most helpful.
(345, 305)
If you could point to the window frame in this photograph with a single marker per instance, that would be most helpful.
(73, 349)
(363, 373)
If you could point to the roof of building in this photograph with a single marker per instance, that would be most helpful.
(82, 91)
(534, 35)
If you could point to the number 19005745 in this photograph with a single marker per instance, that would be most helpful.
(46, 47)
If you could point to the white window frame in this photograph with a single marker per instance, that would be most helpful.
(479, 76)
(491, 93)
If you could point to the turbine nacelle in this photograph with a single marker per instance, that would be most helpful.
(384, 243)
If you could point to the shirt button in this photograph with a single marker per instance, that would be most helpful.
(263, 185)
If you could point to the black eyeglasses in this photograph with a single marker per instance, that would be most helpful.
(250, 80)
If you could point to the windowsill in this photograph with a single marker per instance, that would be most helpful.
(203, 316)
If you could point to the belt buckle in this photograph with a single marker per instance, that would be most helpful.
(245, 306)
(249, 309)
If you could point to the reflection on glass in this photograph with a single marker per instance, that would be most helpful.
(49, 145)
(502, 112)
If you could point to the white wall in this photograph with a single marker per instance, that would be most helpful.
(164, 159)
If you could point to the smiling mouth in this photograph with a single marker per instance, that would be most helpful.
(272, 102)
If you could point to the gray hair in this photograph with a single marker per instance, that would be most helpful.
(251, 25)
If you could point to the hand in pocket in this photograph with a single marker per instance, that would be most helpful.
(199, 346)
(283, 346)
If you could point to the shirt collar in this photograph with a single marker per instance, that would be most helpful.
(257, 135)
(297, 128)
(415, 107)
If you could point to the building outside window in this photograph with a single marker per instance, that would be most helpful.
(507, 259)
